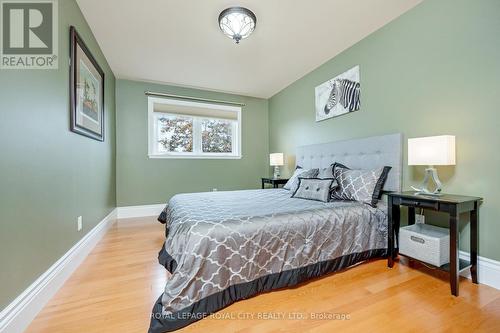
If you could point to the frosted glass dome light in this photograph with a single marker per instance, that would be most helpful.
(237, 23)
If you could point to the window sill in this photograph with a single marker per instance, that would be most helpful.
(191, 157)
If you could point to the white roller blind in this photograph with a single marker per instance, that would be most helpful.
(196, 109)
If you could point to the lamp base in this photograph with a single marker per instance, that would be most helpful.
(423, 193)
(276, 172)
(430, 172)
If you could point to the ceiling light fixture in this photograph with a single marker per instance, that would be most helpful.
(237, 23)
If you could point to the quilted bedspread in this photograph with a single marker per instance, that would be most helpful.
(225, 246)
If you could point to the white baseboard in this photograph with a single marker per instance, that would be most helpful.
(488, 270)
(139, 211)
(16, 317)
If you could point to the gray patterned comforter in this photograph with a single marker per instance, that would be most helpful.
(218, 241)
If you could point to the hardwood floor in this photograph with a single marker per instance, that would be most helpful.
(116, 286)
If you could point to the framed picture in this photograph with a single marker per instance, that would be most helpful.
(86, 90)
(339, 95)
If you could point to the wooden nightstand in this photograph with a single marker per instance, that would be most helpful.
(454, 205)
(274, 181)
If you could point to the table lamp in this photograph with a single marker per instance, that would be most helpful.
(276, 160)
(431, 151)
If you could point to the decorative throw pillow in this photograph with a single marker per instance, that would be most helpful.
(360, 185)
(313, 189)
(326, 173)
(381, 182)
(334, 195)
(338, 165)
(293, 182)
(296, 173)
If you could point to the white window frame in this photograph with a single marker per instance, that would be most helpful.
(197, 149)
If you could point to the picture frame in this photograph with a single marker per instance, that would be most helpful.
(86, 90)
(338, 96)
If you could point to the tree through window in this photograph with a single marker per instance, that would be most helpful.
(176, 134)
(191, 129)
(216, 136)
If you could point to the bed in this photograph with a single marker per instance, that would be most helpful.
(222, 247)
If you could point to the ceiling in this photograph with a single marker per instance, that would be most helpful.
(179, 41)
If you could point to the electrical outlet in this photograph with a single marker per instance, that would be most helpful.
(419, 218)
(79, 224)
(214, 190)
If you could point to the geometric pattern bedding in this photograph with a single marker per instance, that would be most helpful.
(358, 185)
(225, 246)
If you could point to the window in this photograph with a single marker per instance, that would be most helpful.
(186, 129)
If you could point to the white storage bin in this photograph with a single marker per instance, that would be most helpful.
(425, 242)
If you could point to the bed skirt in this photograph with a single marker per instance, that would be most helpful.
(161, 322)
(166, 260)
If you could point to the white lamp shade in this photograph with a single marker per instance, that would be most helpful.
(432, 150)
(276, 159)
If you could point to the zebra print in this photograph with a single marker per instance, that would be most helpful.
(350, 95)
(332, 100)
(345, 92)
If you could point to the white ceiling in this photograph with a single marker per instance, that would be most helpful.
(179, 41)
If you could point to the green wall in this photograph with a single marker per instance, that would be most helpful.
(49, 175)
(434, 70)
(141, 180)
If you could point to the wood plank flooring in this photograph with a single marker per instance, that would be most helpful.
(117, 285)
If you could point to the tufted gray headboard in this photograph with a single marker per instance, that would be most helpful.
(367, 153)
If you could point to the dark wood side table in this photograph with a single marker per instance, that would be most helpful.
(275, 182)
(454, 205)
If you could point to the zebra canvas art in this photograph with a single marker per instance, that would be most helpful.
(339, 95)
